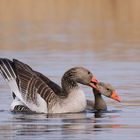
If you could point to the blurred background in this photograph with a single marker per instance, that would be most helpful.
(55, 35)
(96, 25)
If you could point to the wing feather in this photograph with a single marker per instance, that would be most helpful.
(29, 85)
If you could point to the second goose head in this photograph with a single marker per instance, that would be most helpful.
(107, 90)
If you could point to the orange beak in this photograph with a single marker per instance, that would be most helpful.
(93, 82)
(115, 96)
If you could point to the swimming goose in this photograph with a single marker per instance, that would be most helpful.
(98, 105)
(40, 94)
(102, 89)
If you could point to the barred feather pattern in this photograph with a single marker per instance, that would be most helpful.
(6, 69)
(30, 84)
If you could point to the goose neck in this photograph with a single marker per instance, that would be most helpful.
(99, 101)
(68, 84)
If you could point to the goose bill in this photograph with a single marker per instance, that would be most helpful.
(94, 82)
(114, 96)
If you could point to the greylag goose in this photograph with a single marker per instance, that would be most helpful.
(102, 89)
(98, 105)
(42, 95)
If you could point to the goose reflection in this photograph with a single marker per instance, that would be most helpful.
(63, 124)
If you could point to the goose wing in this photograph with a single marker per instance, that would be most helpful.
(30, 87)
(56, 88)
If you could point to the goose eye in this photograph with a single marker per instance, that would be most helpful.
(108, 89)
(88, 72)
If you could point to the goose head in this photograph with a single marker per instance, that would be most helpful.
(78, 75)
(107, 90)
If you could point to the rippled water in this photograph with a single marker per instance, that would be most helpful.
(105, 38)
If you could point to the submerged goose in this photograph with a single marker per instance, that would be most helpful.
(40, 94)
(102, 89)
